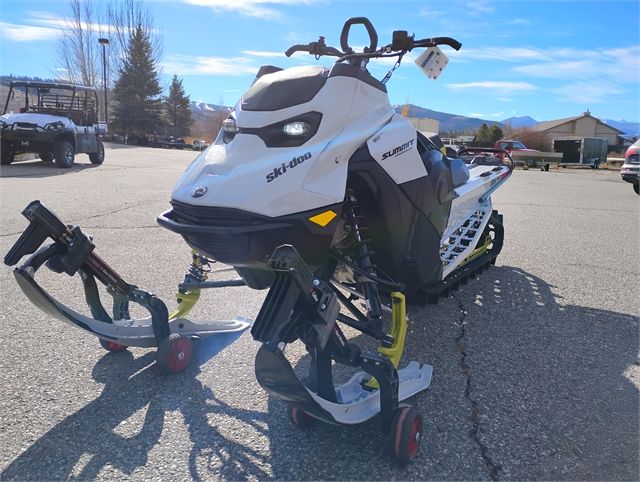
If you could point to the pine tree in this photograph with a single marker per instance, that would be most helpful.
(482, 134)
(138, 108)
(177, 109)
(495, 134)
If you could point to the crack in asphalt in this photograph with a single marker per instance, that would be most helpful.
(76, 221)
(474, 433)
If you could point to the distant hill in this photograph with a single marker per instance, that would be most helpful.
(202, 107)
(448, 122)
(6, 79)
(629, 128)
(207, 119)
(520, 122)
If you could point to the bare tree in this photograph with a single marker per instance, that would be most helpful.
(533, 139)
(77, 47)
(78, 53)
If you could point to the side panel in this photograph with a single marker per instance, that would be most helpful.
(405, 242)
(395, 148)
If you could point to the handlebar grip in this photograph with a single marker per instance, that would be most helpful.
(451, 42)
(344, 35)
(296, 48)
(333, 52)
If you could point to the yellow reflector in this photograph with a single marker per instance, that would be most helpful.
(323, 219)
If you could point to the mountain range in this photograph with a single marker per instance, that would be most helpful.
(520, 122)
(448, 122)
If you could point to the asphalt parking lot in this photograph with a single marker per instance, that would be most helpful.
(535, 362)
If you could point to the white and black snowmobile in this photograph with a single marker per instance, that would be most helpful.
(318, 190)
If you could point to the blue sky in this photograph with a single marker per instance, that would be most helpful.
(544, 59)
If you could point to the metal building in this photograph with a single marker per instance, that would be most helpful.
(582, 126)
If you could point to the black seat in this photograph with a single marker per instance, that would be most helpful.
(459, 172)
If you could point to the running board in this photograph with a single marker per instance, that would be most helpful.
(463, 239)
(470, 268)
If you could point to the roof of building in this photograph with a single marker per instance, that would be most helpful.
(545, 126)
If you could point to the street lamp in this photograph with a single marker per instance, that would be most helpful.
(104, 42)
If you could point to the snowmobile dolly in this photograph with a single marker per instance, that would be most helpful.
(72, 251)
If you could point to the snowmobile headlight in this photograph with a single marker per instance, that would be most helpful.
(230, 126)
(296, 128)
(291, 132)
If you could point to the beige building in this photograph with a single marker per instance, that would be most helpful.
(424, 125)
(583, 125)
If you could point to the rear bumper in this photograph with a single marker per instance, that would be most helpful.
(247, 240)
(630, 172)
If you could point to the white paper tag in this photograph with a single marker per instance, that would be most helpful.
(432, 62)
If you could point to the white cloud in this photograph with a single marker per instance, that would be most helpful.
(27, 33)
(619, 64)
(428, 12)
(569, 69)
(478, 115)
(201, 65)
(507, 54)
(48, 20)
(44, 26)
(587, 92)
(250, 8)
(519, 21)
(479, 7)
(263, 53)
(499, 86)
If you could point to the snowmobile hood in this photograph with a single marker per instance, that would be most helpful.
(255, 173)
(35, 118)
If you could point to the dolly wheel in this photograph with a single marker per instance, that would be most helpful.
(174, 353)
(112, 346)
(405, 434)
(300, 418)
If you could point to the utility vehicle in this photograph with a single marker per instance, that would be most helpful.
(55, 121)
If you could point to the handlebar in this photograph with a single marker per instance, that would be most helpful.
(315, 48)
(402, 42)
(344, 35)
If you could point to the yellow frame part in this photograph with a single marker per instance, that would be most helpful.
(186, 301)
(478, 251)
(399, 327)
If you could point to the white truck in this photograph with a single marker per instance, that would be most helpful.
(55, 121)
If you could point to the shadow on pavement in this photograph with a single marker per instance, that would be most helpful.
(84, 443)
(548, 393)
(38, 168)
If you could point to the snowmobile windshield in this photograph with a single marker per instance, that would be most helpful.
(285, 88)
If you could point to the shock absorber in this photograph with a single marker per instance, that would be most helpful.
(363, 260)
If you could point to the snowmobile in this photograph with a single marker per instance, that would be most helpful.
(317, 190)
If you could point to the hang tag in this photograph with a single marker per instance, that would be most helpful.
(432, 62)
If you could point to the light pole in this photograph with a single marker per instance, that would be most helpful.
(104, 42)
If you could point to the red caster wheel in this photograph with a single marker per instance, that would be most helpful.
(405, 434)
(300, 418)
(174, 353)
(112, 346)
